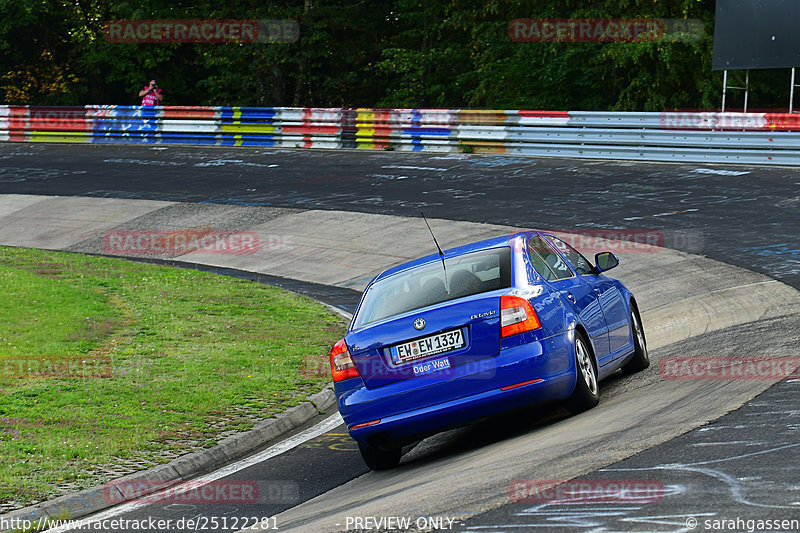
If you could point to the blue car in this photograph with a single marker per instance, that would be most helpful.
(458, 336)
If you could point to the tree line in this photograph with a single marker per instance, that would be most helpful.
(368, 53)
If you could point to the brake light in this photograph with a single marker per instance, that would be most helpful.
(517, 316)
(342, 366)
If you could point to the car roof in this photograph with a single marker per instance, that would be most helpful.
(478, 246)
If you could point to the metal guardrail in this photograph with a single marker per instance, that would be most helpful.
(753, 138)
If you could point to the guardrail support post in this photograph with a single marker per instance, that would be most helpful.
(746, 88)
(724, 88)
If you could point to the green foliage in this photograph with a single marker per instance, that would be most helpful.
(357, 53)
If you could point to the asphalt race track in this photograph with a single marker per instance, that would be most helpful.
(743, 465)
(742, 215)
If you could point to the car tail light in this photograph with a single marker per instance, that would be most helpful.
(365, 424)
(521, 384)
(517, 316)
(342, 366)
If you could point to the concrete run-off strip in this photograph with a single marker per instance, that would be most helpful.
(680, 296)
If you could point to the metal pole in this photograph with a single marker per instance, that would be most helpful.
(724, 88)
(791, 93)
(746, 88)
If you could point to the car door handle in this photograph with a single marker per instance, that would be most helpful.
(597, 290)
(570, 297)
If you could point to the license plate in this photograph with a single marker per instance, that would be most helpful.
(441, 342)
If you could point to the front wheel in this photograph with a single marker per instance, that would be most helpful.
(640, 359)
(587, 392)
(378, 459)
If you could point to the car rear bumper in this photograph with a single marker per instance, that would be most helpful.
(520, 375)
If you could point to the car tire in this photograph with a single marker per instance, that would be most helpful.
(640, 359)
(378, 459)
(587, 389)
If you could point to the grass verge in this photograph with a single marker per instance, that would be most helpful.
(108, 366)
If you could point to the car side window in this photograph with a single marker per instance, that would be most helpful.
(546, 260)
(581, 265)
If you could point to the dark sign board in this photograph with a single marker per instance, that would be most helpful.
(756, 34)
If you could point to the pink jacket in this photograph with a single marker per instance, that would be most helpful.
(150, 99)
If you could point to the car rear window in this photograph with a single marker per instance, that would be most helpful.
(429, 284)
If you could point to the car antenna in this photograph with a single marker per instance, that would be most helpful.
(441, 253)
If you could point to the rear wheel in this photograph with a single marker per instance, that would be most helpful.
(587, 392)
(378, 459)
(641, 359)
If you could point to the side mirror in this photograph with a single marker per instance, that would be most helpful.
(605, 261)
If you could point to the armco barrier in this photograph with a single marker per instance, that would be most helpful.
(753, 138)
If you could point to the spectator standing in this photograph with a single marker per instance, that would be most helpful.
(151, 94)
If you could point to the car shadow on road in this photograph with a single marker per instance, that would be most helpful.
(484, 433)
(514, 423)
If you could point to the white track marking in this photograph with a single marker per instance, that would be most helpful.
(284, 446)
